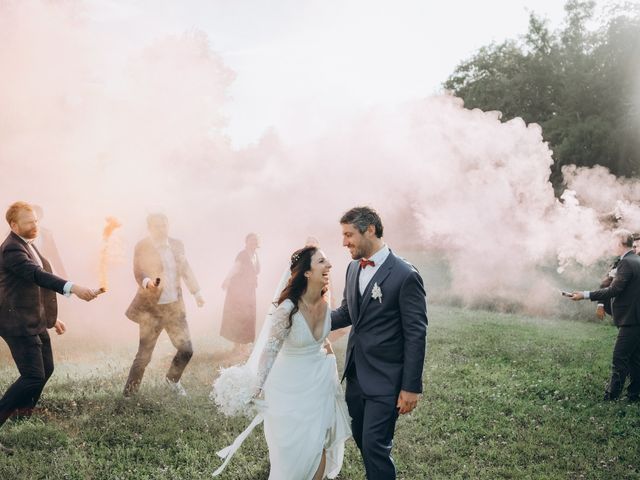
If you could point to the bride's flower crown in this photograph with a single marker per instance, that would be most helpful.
(295, 258)
(297, 255)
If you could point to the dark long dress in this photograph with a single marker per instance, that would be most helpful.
(239, 313)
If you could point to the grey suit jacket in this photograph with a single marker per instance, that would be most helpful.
(388, 339)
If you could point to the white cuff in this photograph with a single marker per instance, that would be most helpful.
(586, 295)
(145, 282)
(66, 290)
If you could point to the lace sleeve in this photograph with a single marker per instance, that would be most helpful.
(277, 335)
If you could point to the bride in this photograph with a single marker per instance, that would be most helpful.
(305, 416)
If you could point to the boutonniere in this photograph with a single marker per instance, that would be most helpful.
(376, 293)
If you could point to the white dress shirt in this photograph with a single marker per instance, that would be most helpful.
(367, 273)
(171, 284)
(170, 270)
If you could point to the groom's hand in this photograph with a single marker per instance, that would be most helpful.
(407, 401)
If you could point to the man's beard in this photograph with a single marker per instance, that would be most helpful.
(358, 254)
(30, 234)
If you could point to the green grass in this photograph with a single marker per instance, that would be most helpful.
(506, 396)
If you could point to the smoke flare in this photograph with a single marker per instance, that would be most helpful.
(110, 227)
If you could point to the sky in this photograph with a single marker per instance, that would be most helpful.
(300, 65)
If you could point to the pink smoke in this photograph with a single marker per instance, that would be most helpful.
(87, 136)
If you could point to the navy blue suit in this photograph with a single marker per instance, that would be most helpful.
(385, 354)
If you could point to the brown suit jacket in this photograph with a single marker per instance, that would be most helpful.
(147, 263)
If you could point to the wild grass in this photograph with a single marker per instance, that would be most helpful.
(506, 397)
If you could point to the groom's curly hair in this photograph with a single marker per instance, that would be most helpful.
(297, 284)
(361, 218)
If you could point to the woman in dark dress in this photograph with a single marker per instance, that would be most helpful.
(239, 314)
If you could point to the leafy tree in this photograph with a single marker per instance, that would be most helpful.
(581, 85)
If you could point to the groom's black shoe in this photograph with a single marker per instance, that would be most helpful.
(6, 450)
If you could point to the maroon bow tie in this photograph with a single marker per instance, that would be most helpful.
(364, 263)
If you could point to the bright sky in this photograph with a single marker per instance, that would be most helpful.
(302, 63)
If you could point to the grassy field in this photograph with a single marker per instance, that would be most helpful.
(505, 397)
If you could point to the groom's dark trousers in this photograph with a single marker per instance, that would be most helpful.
(373, 421)
(385, 354)
(28, 307)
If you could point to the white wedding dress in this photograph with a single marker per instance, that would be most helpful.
(306, 412)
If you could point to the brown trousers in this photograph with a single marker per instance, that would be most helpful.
(167, 317)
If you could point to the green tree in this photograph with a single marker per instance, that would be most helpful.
(581, 85)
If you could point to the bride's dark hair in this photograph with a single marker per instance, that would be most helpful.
(297, 284)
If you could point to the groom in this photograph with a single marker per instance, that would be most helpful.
(384, 301)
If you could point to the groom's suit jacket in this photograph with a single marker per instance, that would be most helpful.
(28, 304)
(388, 338)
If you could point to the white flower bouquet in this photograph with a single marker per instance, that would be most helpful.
(233, 391)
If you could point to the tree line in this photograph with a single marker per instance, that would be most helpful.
(580, 83)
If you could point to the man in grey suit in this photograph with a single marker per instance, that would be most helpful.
(623, 294)
(385, 303)
(159, 265)
(28, 307)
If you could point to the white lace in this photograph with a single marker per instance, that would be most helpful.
(277, 335)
